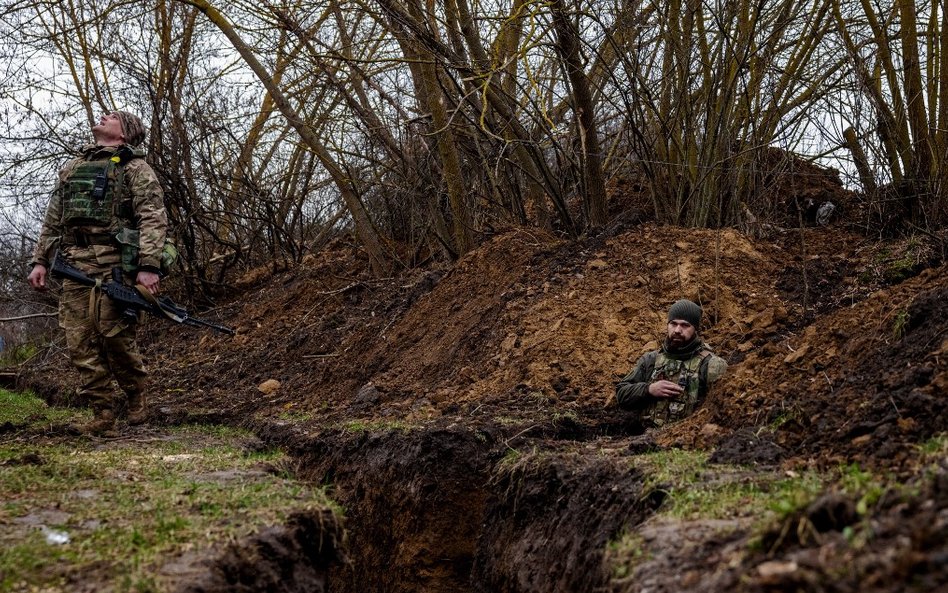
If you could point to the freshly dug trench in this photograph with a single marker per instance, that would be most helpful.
(447, 510)
(414, 504)
(550, 518)
(294, 558)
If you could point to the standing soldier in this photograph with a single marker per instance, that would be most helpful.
(107, 211)
(669, 384)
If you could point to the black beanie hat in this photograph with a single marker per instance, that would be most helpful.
(686, 310)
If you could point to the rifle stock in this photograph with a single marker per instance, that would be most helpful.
(63, 270)
(131, 300)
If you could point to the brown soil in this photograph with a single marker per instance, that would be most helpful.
(295, 557)
(463, 413)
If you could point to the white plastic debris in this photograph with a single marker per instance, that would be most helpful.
(825, 213)
(55, 537)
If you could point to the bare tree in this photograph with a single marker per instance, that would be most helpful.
(710, 88)
(423, 126)
(897, 50)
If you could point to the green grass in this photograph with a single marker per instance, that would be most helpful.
(699, 491)
(129, 505)
(625, 552)
(292, 416)
(865, 487)
(900, 324)
(761, 500)
(25, 409)
(935, 448)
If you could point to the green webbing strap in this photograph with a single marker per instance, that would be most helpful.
(93, 309)
(151, 299)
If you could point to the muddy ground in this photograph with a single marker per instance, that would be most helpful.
(463, 413)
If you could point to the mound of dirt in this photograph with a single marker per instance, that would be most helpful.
(903, 549)
(794, 189)
(864, 384)
(407, 394)
(528, 328)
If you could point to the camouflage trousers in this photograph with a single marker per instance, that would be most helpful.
(102, 346)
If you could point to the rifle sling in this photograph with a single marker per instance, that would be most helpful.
(151, 299)
(95, 310)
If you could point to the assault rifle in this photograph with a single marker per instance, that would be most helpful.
(130, 300)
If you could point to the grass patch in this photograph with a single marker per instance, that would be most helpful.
(17, 354)
(865, 487)
(26, 410)
(291, 416)
(117, 511)
(767, 502)
(624, 553)
(697, 491)
(900, 324)
(934, 448)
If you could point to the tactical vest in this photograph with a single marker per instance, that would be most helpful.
(92, 193)
(685, 373)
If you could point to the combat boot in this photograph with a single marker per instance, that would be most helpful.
(101, 423)
(137, 411)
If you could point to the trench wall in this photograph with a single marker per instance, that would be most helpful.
(458, 510)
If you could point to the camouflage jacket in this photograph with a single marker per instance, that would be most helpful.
(97, 251)
(695, 368)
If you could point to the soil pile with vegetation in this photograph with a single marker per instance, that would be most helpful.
(462, 415)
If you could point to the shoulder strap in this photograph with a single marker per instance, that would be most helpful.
(705, 356)
(122, 156)
(157, 304)
(126, 153)
(657, 358)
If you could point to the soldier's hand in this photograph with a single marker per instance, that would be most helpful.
(663, 388)
(37, 277)
(149, 280)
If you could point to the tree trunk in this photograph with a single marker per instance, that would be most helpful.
(862, 163)
(568, 48)
(365, 231)
(914, 93)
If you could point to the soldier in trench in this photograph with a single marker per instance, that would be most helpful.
(106, 211)
(669, 384)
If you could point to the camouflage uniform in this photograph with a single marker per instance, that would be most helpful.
(693, 366)
(100, 338)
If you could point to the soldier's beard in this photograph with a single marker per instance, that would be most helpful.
(678, 343)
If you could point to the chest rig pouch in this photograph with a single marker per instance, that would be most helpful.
(93, 192)
(683, 372)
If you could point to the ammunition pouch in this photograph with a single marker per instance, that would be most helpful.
(92, 194)
(129, 241)
(169, 255)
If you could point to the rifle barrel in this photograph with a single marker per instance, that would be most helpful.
(129, 298)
